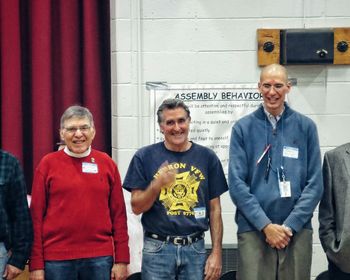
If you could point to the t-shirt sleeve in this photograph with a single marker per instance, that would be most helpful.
(135, 177)
(217, 179)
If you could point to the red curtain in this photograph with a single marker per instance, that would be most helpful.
(54, 53)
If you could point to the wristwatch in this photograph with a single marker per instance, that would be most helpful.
(287, 227)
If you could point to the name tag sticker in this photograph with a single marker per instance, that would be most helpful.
(88, 167)
(290, 152)
(199, 212)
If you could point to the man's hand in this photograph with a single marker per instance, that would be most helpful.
(37, 275)
(11, 272)
(213, 267)
(142, 200)
(119, 271)
(166, 176)
(277, 236)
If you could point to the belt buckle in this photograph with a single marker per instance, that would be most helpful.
(179, 240)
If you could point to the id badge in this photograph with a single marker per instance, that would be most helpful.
(88, 167)
(199, 212)
(285, 190)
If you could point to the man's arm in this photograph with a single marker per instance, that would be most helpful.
(313, 190)
(21, 230)
(142, 200)
(119, 222)
(327, 209)
(239, 190)
(37, 210)
(214, 262)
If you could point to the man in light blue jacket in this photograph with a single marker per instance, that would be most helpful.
(275, 180)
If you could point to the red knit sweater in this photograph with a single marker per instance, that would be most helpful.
(78, 211)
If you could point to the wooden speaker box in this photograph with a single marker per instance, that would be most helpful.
(304, 46)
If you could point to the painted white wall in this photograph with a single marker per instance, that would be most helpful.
(210, 41)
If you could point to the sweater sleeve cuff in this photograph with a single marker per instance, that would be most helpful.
(122, 260)
(122, 255)
(17, 260)
(263, 223)
(36, 265)
(293, 223)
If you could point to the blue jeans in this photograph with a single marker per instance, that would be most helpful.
(163, 260)
(79, 269)
(3, 258)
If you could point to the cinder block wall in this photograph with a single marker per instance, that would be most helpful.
(210, 41)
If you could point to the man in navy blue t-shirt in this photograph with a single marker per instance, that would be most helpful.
(177, 184)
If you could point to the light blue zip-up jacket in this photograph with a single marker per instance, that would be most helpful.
(294, 152)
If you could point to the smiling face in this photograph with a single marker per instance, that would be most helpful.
(274, 86)
(77, 133)
(175, 126)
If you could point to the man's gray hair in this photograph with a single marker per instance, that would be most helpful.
(171, 104)
(77, 112)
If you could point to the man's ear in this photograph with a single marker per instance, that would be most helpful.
(259, 85)
(161, 128)
(93, 133)
(289, 86)
(61, 134)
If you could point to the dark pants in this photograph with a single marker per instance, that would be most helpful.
(79, 269)
(335, 273)
(258, 261)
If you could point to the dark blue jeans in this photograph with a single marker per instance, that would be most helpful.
(79, 269)
(166, 261)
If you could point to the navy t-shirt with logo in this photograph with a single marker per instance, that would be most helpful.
(182, 208)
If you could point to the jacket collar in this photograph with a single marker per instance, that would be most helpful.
(260, 113)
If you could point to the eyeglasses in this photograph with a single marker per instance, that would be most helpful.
(277, 87)
(74, 129)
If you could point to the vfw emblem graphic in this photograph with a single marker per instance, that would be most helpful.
(181, 196)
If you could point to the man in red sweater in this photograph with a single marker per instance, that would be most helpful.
(78, 210)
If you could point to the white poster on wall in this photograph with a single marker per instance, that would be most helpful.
(214, 109)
